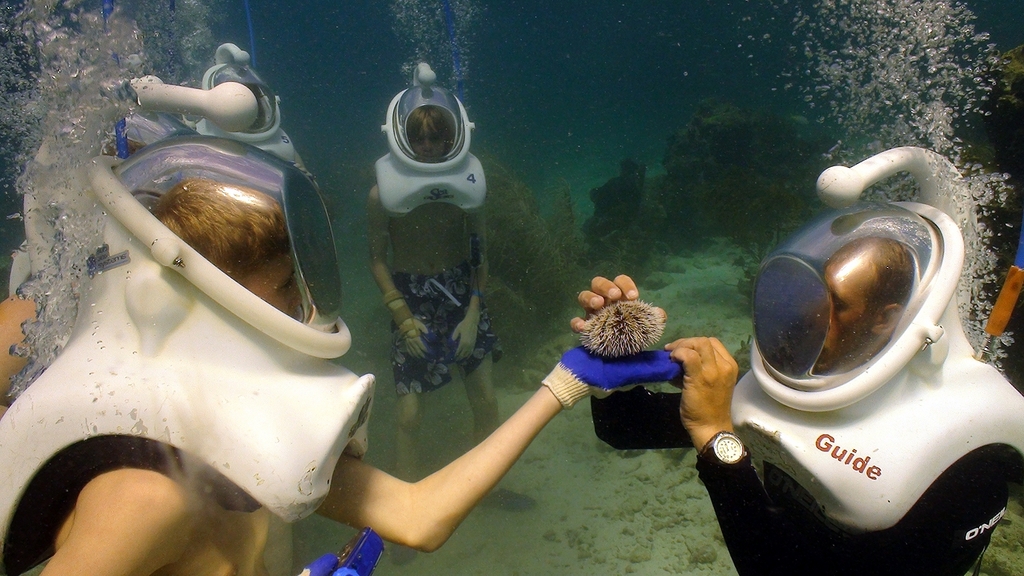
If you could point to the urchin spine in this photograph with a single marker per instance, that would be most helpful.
(623, 328)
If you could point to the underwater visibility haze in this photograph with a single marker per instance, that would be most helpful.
(677, 142)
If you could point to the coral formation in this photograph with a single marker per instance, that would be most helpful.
(616, 205)
(739, 174)
(622, 329)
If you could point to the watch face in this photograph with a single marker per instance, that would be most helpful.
(728, 448)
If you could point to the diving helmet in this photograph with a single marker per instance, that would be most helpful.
(428, 135)
(232, 65)
(171, 360)
(858, 346)
(169, 162)
(426, 125)
(828, 302)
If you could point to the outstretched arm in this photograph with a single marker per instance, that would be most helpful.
(423, 515)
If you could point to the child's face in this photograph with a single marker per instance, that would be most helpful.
(275, 283)
(429, 146)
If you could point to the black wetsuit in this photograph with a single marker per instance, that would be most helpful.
(776, 528)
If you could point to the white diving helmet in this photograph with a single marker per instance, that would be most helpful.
(862, 419)
(175, 367)
(424, 168)
(265, 132)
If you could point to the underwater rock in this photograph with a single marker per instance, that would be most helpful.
(703, 554)
(617, 202)
(738, 173)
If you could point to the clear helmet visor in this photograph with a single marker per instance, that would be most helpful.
(792, 314)
(266, 101)
(160, 167)
(429, 126)
(829, 301)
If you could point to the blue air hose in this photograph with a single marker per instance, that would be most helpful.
(108, 9)
(252, 34)
(1019, 262)
(121, 138)
(449, 20)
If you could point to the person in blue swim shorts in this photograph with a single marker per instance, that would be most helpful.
(426, 211)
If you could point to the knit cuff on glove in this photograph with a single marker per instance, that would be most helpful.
(565, 386)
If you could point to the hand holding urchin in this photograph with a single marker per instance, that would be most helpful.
(622, 328)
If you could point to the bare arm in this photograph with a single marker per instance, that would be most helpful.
(379, 240)
(478, 226)
(126, 522)
(13, 313)
(424, 514)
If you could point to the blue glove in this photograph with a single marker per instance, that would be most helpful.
(322, 566)
(358, 558)
(581, 373)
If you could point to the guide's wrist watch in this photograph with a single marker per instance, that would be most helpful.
(725, 447)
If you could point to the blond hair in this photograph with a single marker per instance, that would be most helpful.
(237, 229)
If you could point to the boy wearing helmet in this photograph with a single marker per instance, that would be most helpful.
(425, 213)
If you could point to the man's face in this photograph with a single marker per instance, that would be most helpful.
(851, 322)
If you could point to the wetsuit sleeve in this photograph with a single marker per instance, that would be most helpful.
(638, 419)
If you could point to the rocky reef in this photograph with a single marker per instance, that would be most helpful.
(741, 174)
(616, 206)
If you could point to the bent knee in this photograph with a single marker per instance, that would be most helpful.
(409, 421)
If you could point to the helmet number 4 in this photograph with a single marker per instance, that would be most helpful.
(471, 178)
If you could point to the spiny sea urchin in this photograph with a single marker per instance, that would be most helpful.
(623, 328)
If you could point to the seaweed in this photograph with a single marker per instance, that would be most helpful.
(535, 262)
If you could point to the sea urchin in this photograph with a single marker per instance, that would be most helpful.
(623, 328)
